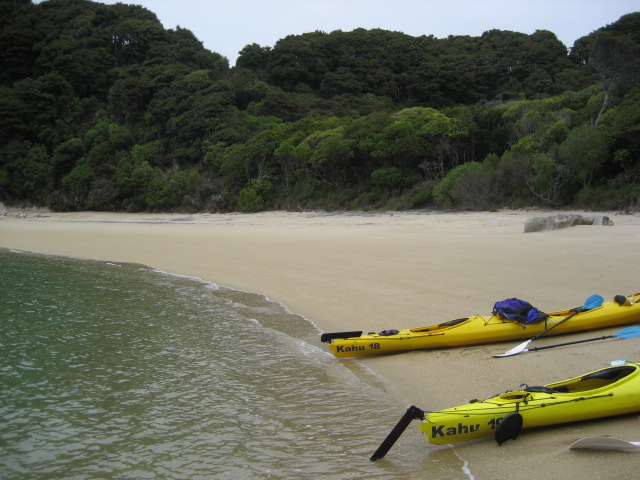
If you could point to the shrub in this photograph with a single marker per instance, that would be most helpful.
(626, 198)
(442, 191)
(249, 200)
(473, 189)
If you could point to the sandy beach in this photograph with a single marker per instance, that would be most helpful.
(357, 271)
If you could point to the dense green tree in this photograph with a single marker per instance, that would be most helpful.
(547, 177)
(583, 152)
(617, 61)
(103, 108)
(330, 157)
(32, 173)
(76, 186)
(19, 35)
(623, 125)
(253, 57)
(393, 178)
(65, 156)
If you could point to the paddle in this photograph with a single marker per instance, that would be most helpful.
(412, 413)
(630, 332)
(592, 302)
(604, 443)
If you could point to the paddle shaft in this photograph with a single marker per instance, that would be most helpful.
(592, 302)
(554, 326)
(629, 332)
(535, 349)
(412, 413)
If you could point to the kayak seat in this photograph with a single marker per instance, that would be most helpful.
(609, 374)
(600, 379)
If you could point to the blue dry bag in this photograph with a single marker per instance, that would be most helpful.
(518, 310)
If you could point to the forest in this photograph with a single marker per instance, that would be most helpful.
(101, 108)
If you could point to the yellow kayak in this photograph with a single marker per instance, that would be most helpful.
(610, 391)
(484, 329)
(606, 392)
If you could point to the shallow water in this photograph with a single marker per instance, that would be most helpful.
(122, 371)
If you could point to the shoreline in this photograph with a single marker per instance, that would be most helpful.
(359, 271)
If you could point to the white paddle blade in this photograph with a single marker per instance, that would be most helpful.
(516, 350)
(604, 443)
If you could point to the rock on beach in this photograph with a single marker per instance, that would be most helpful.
(555, 222)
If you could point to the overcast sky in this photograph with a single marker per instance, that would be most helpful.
(227, 26)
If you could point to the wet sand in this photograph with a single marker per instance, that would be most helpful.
(356, 271)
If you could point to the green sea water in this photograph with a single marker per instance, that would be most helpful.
(121, 371)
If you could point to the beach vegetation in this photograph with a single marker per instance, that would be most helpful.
(101, 108)
(249, 200)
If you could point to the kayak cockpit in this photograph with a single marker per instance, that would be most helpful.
(593, 381)
(440, 326)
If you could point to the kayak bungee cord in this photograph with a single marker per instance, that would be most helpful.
(481, 411)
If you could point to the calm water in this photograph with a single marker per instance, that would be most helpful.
(121, 371)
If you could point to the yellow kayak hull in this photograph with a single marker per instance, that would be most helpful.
(606, 392)
(486, 329)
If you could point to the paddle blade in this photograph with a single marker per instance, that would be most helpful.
(630, 332)
(516, 350)
(594, 301)
(604, 443)
(412, 413)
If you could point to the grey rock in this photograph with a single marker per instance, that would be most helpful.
(564, 220)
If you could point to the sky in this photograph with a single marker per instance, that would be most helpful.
(227, 26)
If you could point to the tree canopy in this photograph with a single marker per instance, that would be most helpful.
(102, 108)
